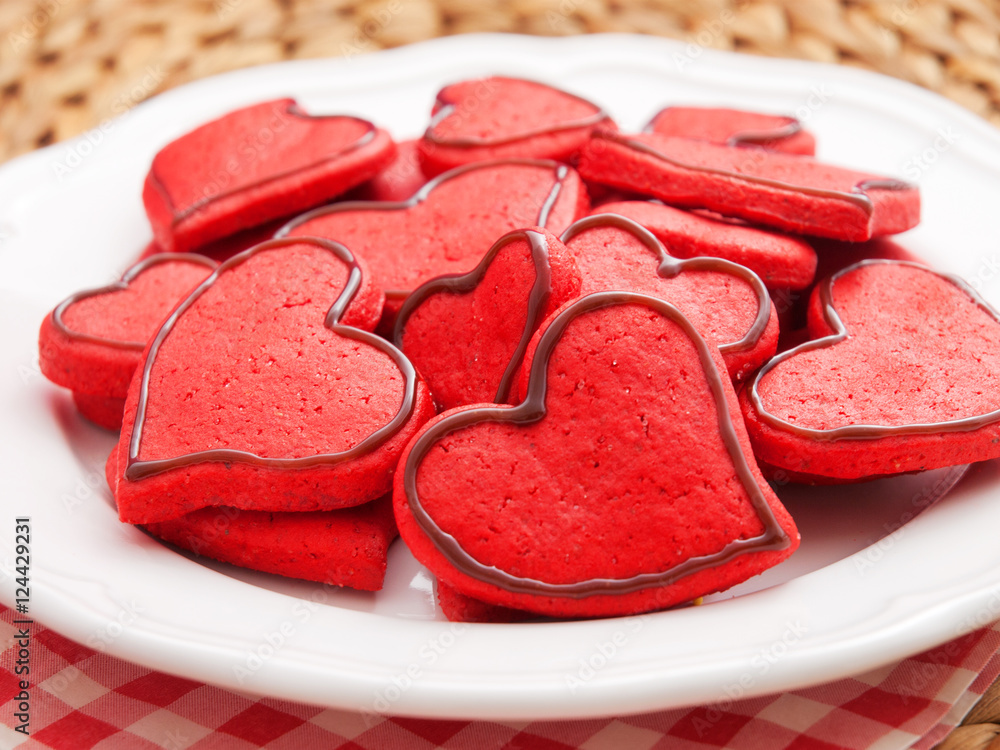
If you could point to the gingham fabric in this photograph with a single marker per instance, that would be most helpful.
(83, 699)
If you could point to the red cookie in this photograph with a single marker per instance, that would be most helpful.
(458, 607)
(726, 302)
(226, 247)
(791, 193)
(781, 261)
(832, 256)
(629, 435)
(734, 127)
(253, 165)
(467, 334)
(346, 547)
(398, 181)
(258, 393)
(836, 256)
(499, 118)
(906, 377)
(444, 228)
(93, 341)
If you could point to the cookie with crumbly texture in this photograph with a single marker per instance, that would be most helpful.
(791, 193)
(630, 434)
(902, 374)
(253, 165)
(735, 127)
(500, 118)
(265, 391)
(346, 547)
(467, 333)
(726, 302)
(449, 223)
(93, 340)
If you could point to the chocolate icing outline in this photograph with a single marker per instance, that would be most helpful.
(465, 283)
(671, 266)
(291, 108)
(757, 138)
(119, 286)
(561, 172)
(447, 107)
(840, 333)
(857, 195)
(136, 470)
(532, 409)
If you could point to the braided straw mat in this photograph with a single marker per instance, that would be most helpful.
(66, 65)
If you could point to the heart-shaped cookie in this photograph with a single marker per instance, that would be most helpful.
(92, 341)
(467, 333)
(734, 127)
(903, 375)
(622, 483)
(500, 118)
(258, 163)
(445, 227)
(726, 302)
(781, 261)
(257, 392)
(792, 193)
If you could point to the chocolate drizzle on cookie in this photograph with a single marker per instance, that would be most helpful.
(857, 195)
(764, 138)
(137, 469)
(670, 267)
(560, 172)
(761, 138)
(118, 286)
(291, 108)
(464, 283)
(444, 109)
(533, 409)
(840, 332)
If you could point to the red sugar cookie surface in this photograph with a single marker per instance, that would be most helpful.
(832, 256)
(787, 192)
(92, 341)
(907, 378)
(104, 411)
(346, 547)
(727, 303)
(734, 127)
(258, 163)
(499, 118)
(629, 435)
(258, 393)
(781, 261)
(448, 225)
(467, 334)
(398, 181)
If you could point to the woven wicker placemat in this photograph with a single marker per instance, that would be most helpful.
(67, 65)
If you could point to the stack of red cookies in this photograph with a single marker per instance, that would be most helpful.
(545, 349)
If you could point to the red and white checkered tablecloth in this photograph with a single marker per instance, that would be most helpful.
(83, 699)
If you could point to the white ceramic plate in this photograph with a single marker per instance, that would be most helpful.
(868, 586)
